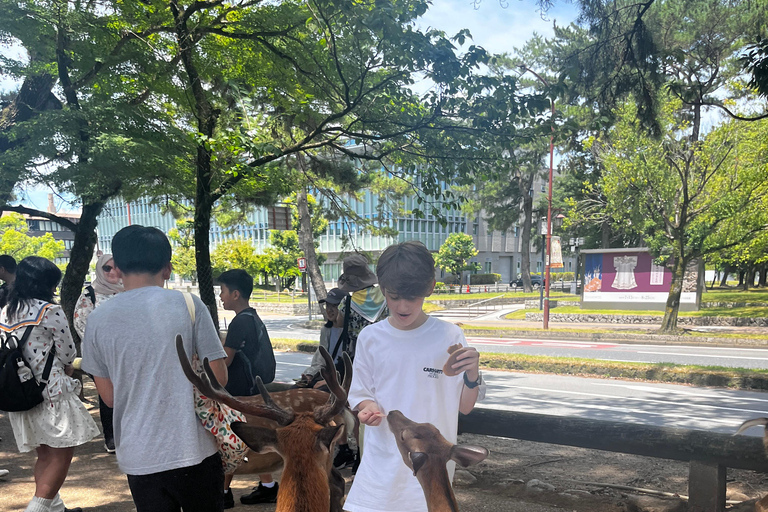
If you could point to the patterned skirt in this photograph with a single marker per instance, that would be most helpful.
(58, 422)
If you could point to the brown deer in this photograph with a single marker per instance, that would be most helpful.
(426, 452)
(300, 430)
(762, 504)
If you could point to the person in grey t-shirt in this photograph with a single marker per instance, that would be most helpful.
(129, 347)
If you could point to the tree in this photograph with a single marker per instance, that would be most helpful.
(237, 253)
(75, 127)
(281, 258)
(183, 259)
(15, 241)
(455, 253)
(686, 198)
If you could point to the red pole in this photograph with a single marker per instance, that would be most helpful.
(549, 218)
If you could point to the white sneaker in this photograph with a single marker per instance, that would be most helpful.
(4, 472)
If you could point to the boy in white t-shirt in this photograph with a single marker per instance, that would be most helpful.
(398, 366)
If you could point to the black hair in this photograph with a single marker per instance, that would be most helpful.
(141, 250)
(237, 279)
(36, 278)
(406, 269)
(8, 263)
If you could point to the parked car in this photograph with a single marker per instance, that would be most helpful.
(536, 282)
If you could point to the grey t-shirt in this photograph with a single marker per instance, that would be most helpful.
(131, 341)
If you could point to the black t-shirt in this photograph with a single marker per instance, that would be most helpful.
(242, 334)
(5, 290)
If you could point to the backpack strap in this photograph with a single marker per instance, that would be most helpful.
(51, 354)
(91, 293)
(344, 336)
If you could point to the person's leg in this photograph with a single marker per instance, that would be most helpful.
(199, 488)
(229, 500)
(149, 493)
(106, 413)
(51, 470)
(265, 492)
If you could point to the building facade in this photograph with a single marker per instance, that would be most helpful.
(498, 252)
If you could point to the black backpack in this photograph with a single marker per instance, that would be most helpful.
(15, 395)
(265, 364)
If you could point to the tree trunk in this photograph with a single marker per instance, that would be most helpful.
(207, 118)
(726, 272)
(34, 96)
(605, 232)
(79, 261)
(741, 278)
(669, 322)
(749, 278)
(307, 245)
(525, 251)
(763, 270)
(202, 221)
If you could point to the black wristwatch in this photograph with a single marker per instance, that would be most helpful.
(473, 385)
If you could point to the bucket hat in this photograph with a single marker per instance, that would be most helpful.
(334, 296)
(356, 274)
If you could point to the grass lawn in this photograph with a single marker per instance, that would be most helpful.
(735, 295)
(744, 312)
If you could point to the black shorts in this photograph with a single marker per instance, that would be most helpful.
(198, 488)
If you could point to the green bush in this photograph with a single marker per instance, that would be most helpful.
(440, 287)
(484, 278)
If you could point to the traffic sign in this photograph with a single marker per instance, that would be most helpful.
(302, 264)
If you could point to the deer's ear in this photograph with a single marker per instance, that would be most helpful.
(258, 439)
(418, 459)
(467, 455)
(328, 435)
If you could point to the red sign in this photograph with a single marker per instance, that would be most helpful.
(302, 264)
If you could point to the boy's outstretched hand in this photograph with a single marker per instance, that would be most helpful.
(468, 361)
(370, 414)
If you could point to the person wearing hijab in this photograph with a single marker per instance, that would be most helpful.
(106, 285)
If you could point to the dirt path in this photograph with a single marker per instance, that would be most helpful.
(501, 483)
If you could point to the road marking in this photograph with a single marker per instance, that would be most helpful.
(719, 356)
(676, 415)
(537, 343)
(728, 394)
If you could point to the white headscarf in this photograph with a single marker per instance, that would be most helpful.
(100, 284)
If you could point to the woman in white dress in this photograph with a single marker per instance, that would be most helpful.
(106, 285)
(61, 422)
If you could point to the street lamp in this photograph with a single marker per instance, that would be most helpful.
(549, 198)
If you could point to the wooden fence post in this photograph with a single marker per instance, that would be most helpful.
(706, 487)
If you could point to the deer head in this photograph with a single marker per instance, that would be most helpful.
(425, 451)
(305, 440)
(762, 505)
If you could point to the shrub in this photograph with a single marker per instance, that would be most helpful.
(484, 278)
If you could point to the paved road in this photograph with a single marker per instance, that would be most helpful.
(717, 410)
(695, 355)
(289, 327)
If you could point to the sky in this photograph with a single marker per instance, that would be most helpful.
(497, 27)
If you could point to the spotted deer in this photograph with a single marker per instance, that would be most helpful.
(426, 452)
(293, 429)
(762, 504)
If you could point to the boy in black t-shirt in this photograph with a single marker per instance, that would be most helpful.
(242, 335)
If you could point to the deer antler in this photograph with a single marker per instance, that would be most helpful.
(752, 423)
(210, 387)
(338, 399)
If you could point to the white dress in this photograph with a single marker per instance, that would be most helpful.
(61, 420)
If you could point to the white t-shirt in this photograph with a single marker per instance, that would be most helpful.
(131, 340)
(401, 370)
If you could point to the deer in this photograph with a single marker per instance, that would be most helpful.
(294, 429)
(762, 504)
(426, 452)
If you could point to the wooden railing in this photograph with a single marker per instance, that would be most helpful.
(708, 453)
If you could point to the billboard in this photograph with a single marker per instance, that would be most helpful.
(630, 278)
